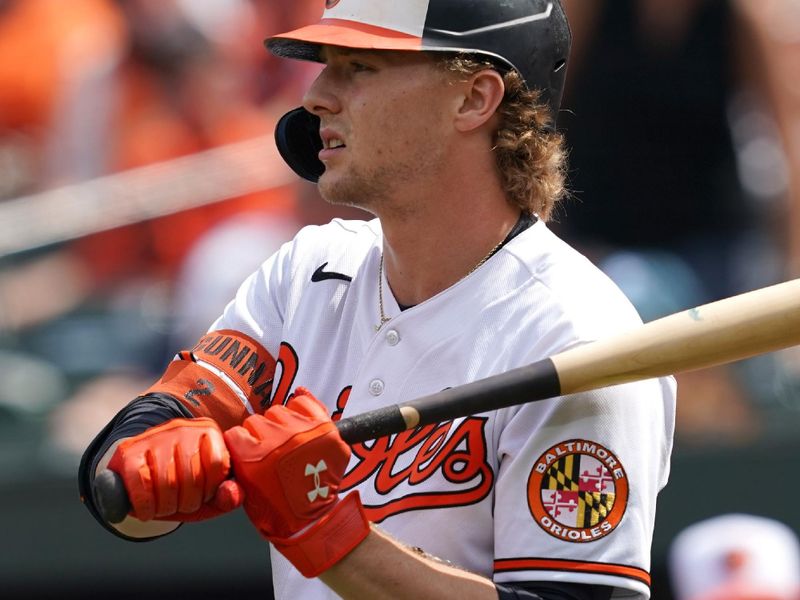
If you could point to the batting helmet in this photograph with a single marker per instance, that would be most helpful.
(529, 36)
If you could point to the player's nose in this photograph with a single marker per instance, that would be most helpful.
(320, 98)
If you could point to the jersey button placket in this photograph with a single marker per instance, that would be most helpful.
(376, 387)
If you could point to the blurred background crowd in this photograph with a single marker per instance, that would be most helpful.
(139, 185)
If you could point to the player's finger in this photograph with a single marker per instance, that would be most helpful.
(161, 462)
(304, 403)
(138, 481)
(191, 481)
(215, 464)
(275, 415)
(241, 442)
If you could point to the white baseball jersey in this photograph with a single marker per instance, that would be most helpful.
(559, 490)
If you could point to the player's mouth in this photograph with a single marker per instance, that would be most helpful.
(332, 144)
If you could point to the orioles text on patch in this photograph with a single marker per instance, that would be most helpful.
(578, 491)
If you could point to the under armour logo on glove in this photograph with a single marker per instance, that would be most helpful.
(318, 491)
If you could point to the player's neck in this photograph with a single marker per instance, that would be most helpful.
(434, 250)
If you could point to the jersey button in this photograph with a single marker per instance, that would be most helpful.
(376, 387)
(392, 337)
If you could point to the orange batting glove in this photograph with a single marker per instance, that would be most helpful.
(291, 461)
(177, 471)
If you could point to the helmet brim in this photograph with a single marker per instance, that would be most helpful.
(305, 43)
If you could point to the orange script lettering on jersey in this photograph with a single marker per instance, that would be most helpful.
(459, 457)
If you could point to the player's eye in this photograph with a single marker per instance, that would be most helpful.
(359, 67)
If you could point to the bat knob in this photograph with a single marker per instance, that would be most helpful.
(111, 496)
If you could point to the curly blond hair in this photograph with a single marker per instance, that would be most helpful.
(531, 157)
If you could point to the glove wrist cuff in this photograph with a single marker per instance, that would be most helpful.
(328, 540)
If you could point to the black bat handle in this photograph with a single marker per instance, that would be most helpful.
(110, 496)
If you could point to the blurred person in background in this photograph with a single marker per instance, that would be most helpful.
(173, 92)
(166, 79)
(685, 175)
(773, 29)
(232, 250)
(735, 557)
(57, 61)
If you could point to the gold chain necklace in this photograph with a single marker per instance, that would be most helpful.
(385, 319)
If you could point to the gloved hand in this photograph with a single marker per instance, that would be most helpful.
(177, 471)
(290, 462)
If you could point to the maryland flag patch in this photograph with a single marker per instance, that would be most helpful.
(578, 491)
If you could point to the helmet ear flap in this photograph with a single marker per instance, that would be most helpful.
(298, 141)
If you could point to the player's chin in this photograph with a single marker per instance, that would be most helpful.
(332, 187)
(337, 188)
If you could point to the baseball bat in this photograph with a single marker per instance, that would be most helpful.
(757, 322)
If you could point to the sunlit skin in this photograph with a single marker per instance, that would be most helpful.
(416, 152)
(370, 101)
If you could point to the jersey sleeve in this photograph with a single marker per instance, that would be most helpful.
(577, 484)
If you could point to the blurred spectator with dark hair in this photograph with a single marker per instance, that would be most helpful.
(684, 177)
(648, 124)
(772, 28)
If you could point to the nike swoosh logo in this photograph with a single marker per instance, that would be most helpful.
(321, 275)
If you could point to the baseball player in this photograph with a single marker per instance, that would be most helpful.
(438, 117)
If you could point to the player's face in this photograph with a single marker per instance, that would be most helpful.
(384, 125)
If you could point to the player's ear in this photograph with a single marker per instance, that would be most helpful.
(482, 94)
